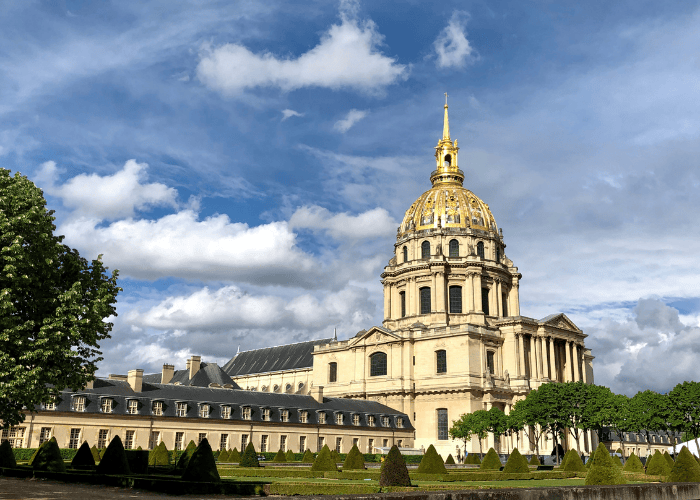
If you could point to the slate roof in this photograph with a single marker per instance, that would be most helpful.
(273, 359)
(120, 392)
(209, 373)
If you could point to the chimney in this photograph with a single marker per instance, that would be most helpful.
(193, 365)
(135, 379)
(317, 393)
(168, 372)
(90, 384)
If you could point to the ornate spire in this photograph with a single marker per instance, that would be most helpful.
(446, 124)
(447, 171)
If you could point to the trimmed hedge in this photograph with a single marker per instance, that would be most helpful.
(249, 457)
(472, 459)
(48, 458)
(491, 461)
(616, 460)
(573, 462)
(657, 465)
(7, 458)
(83, 459)
(633, 464)
(685, 469)
(534, 460)
(114, 460)
(669, 459)
(516, 463)
(223, 457)
(449, 460)
(280, 457)
(95, 453)
(184, 458)
(603, 470)
(394, 471)
(313, 489)
(234, 456)
(431, 463)
(324, 461)
(335, 456)
(290, 456)
(355, 460)
(159, 455)
(308, 457)
(202, 466)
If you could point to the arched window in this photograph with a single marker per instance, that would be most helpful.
(276, 388)
(448, 160)
(425, 300)
(377, 364)
(454, 248)
(405, 254)
(456, 299)
(425, 250)
(287, 387)
(333, 372)
(480, 249)
(441, 361)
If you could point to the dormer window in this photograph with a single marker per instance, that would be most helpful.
(356, 419)
(226, 412)
(339, 418)
(288, 388)
(266, 414)
(385, 421)
(370, 420)
(107, 405)
(51, 405)
(181, 409)
(321, 418)
(204, 410)
(246, 413)
(157, 408)
(399, 422)
(132, 407)
(78, 403)
(284, 415)
(303, 416)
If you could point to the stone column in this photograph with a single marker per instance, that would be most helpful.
(567, 371)
(545, 362)
(552, 360)
(469, 293)
(521, 346)
(477, 293)
(499, 303)
(540, 360)
(440, 292)
(433, 292)
(577, 374)
(533, 358)
(584, 374)
(387, 301)
(411, 291)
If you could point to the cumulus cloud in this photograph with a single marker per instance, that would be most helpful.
(288, 113)
(353, 116)
(375, 223)
(110, 197)
(451, 46)
(347, 57)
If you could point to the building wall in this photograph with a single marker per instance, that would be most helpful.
(300, 381)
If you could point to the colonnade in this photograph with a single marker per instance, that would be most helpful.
(544, 358)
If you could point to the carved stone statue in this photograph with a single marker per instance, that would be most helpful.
(506, 377)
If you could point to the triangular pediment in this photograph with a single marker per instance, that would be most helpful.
(560, 321)
(375, 335)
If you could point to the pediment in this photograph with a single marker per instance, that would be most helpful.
(560, 321)
(375, 335)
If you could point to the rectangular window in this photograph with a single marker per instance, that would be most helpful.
(204, 411)
(79, 403)
(355, 420)
(51, 405)
(399, 443)
(321, 443)
(74, 440)
(339, 418)
(425, 300)
(321, 418)
(102, 438)
(283, 442)
(339, 444)
(399, 422)
(263, 443)
(370, 445)
(266, 414)
(356, 442)
(485, 301)
(45, 435)
(181, 409)
(223, 442)
(385, 444)
(133, 407)
(385, 421)
(129, 440)
(332, 372)
(154, 440)
(505, 304)
(370, 420)
(490, 363)
(15, 436)
(284, 415)
(303, 416)
(107, 405)
(442, 424)
(244, 441)
(226, 412)
(246, 413)
(402, 299)
(202, 436)
(179, 440)
(157, 408)
(302, 444)
(441, 361)
(456, 299)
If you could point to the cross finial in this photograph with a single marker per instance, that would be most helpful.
(445, 98)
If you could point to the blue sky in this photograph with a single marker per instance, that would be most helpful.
(245, 165)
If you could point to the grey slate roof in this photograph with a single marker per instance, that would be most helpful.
(273, 359)
(209, 373)
(120, 392)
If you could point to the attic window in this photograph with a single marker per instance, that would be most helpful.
(303, 416)
(246, 413)
(284, 415)
(321, 417)
(385, 421)
(157, 408)
(288, 387)
(226, 412)
(275, 388)
(181, 409)
(399, 422)
(132, 407)
(204, 410)
(266, 414)
(339, 418)
(107, 405)
(263, 388)
(79, 403)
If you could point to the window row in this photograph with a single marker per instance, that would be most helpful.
(454, 301)
(276, 388)
(453, 250)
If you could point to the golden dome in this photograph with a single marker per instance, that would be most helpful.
(447, 203)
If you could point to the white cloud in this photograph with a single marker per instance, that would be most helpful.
(451, 46)
(353, 116)
(110, 197)
(376, 223)
(347, 57)
(288, 113)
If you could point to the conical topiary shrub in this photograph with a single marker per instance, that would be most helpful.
(249, 457)
(95, 453)
(7, 456)
(184, 459)
(83, 459)
(562, 464)
(289, 456)
(159, 455)
(223, 457)
(472, 459)
(633, 464)
(48, 457)
(657, 465)
(619, 450)
(685, 469)
(603, 470)
(335, 456)
(669, 459)
(114, 460)
(431, 463)
(308, 457)
(234, 456)
(324, 462)
(394, 471)
(573, 462)
(354, 460)
(616, 460)
(534, 460)
(491, 461)
(280, 457)
(449, 460)
(202, 466)
(516, 463)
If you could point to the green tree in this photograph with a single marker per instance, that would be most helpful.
(53, 304)
(575, 397)
(685, 404)
(599, 409)
(469, 424)
(497, 423)
(648, 412)
(530, 415)
(620, 419)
